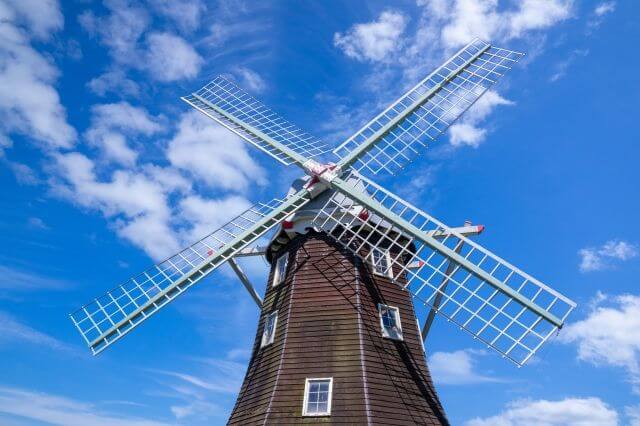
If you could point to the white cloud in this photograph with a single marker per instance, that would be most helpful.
(24, 174)
(373, 41)
(29, 102)
(599, 13)
(13, 331)
(610, 335)
(456, 368)
(212, 154)
(250, 80)
(40, 17)
(465, 19)
(199, 394)
(114, 81)
(206, 215)
(605, 8)
(37, 223)
(120, 30)
(170, 58)
(562, 66)
(604, 257)
(633, 415)
(137, 203)
(185, 13)
(57, 410)
(467, 131)
(111, 123)
(565, 412)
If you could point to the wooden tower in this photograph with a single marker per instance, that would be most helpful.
(328, 326)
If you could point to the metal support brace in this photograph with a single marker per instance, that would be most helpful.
(451, 268)
(245, 281)
(253, 251)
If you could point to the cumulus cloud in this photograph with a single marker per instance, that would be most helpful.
(565, 412)
(170, 58)
(114, 81)
(212, 154)
(137, 204)
(124, 30)
(373, 41)
(456, 368)
(250, 80)
(58, 410)
(29, 102)
(112, 123)
(467, 130)
(205, 215)
(40, 17)
(610, 335)
(606, 256)
(462, 20)
(185, 13)
(120, 30)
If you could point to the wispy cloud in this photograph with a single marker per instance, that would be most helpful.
(199, 395)
(606, 256)
(564, 412)
(599, 13)
(13, 331)
(59, 410)
(19, 280)
(561, 68)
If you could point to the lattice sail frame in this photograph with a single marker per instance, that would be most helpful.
(109, 317)
(432, 107)
(473, 304)
(220, 98)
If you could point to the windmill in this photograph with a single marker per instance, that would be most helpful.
(338, 337)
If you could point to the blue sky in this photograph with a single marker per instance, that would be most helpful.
(105, 170)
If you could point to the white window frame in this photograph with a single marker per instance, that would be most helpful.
(267, 340)
(277, 277)
(386, 333)
(307, 382)
(387, 256)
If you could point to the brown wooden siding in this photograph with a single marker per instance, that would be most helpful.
(328, 326)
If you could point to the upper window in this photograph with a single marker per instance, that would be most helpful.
(381, 262)
(317, 397)
(269, 331)
(281, 269)
(390, 322)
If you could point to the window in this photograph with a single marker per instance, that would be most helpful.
(381, 262)
(281, 269)
(390, 322)
(269, 331)
(317, 397)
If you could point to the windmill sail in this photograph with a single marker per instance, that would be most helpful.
(232, 107)
(109, 317)
(398, 134)
(493, 300)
